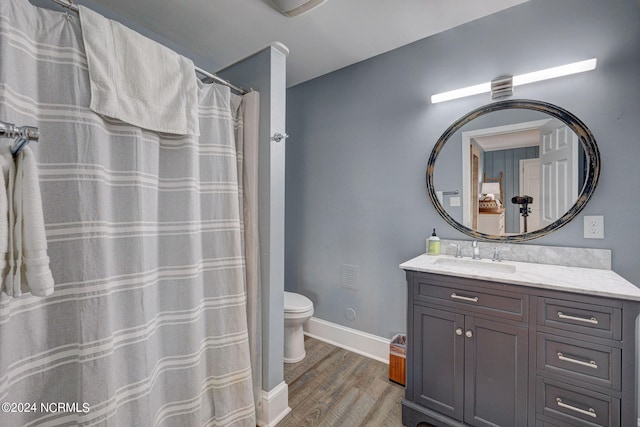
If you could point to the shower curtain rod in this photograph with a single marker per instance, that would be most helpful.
(22, 135)
(70, 5)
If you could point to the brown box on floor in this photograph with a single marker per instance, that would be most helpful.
(398, 359)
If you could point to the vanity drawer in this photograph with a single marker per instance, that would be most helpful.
(589, 319)
(500, 303)
(574, 406)
(593, 363)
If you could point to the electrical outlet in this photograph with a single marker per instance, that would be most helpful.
(454, 201)
(594, 227)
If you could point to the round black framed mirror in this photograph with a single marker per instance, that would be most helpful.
(513, 170)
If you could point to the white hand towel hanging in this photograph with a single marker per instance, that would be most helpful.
(136, 80)
(7, 172)
(29, 263)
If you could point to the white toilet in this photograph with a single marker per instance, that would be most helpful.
(297, 310)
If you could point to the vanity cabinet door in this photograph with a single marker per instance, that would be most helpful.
(438, 353)
(470, 369)
(496, 373)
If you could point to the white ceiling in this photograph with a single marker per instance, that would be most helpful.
(336, 34)
(507, 140)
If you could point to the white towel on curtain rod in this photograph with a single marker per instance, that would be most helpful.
(24, 262)
(7, 174)
(136, 80)
(28, 260)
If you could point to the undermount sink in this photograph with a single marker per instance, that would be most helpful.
(471, 264)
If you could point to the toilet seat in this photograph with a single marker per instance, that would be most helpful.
(296, 303)
(297, 310)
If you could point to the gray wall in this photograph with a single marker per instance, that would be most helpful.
(361, 137)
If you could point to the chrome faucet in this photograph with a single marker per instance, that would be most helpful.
(476, 249)
(497, 253)
(458, 249)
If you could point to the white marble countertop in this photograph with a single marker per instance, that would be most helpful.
(589, 281)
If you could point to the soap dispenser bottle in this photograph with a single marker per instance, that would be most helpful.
(434, 244)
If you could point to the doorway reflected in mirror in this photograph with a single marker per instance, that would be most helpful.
(528, 148)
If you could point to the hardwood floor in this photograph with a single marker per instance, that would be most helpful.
(335, 387)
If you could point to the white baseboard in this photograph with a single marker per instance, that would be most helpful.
(368, 345)
(275, 405)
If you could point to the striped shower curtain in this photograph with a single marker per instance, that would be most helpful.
(148, 324)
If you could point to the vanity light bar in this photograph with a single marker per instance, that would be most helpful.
(536, 76)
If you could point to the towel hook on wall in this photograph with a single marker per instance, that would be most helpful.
(277, 137)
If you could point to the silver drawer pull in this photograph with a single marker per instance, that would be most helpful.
(591, 412)
(591, 320)
(590, 364)
(470, 299)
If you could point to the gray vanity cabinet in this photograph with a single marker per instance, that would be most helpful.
(483, 353)
(469, 360)
(470, 369)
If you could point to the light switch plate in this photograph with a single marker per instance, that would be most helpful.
(454, 201)
(594, 227)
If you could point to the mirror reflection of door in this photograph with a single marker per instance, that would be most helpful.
(530, 186)
(501, 149)
(554, 187)
(475, 185)
(559, 173)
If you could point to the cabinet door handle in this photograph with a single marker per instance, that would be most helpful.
(470, 299)
(591, 320)
(468, 334)
(591, 412)
(590, 364)
(459, 331)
